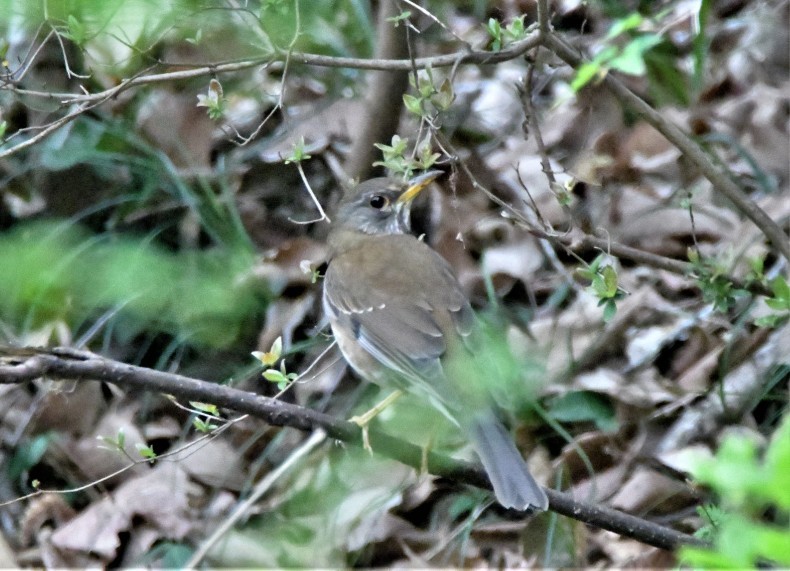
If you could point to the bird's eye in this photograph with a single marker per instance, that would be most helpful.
(378, 202)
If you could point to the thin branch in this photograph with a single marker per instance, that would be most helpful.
(577, 242)
(31, 363)
(206, 70)
(49, 129)
(544, 23)
(444, 26)
(513, 51)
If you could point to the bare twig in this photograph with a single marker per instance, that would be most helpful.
(313, 197)
(514, 50)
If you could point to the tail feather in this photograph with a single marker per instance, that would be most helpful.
(514, 486)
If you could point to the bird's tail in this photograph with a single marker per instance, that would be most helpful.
(514, 486)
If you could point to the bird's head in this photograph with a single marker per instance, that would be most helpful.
(381, 205)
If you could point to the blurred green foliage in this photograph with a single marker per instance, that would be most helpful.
(55, 271)
(751, 528)
(119, 35)
(584, 406)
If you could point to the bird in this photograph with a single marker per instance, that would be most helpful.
(402, 321)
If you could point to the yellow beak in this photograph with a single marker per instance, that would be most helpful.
(417, 184)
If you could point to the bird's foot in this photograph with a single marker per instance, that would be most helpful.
(365, 419)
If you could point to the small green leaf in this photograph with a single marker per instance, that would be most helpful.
(413, 104)
(609, 310)
(515, 30)
(213, 100)
(631, 60)
(444, 98)
(610, 281)
(768, 321)
(781, 289)
(145, 451)
(121, 438)
(272, 355)
(692, 254)
(405, 15)
(207, 408)
(630, 22)
(298, 152)
(76, 30)
(495, 31)
(584, 406)
(203, 426)
(274, 376)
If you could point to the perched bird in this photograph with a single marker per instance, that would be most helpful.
(402, 321)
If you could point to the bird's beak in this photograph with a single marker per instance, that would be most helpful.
(417, 184)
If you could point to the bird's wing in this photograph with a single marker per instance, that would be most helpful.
(402, 328)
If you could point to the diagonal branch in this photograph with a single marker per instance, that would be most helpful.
(28, 364)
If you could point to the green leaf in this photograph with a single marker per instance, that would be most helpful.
(405, 15)
(145, 451)
(413, 104)
(630, 22)
(584, 406)
(203, 426)
(298, 152)
(75, 31)
(203, 407)
(585, 74)
(444, 98)
(515, 30)
(274, 376)
(27, 454)
(495, 31)
(610, 281)
(777, 463)
(631, 60)
(609, 310)
(701, 45)
(781, 289)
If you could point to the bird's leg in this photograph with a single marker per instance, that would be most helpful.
(364, 419)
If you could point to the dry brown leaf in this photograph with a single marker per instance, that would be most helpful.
(96, 458)
(683, 460)
(159, 497)
(647, 491)
(283, 316)
(600, 486)
(174, 124)
(600, 449)
(317, 125)
(644, 389)
(215, 463)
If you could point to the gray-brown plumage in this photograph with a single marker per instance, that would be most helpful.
(402, 321)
